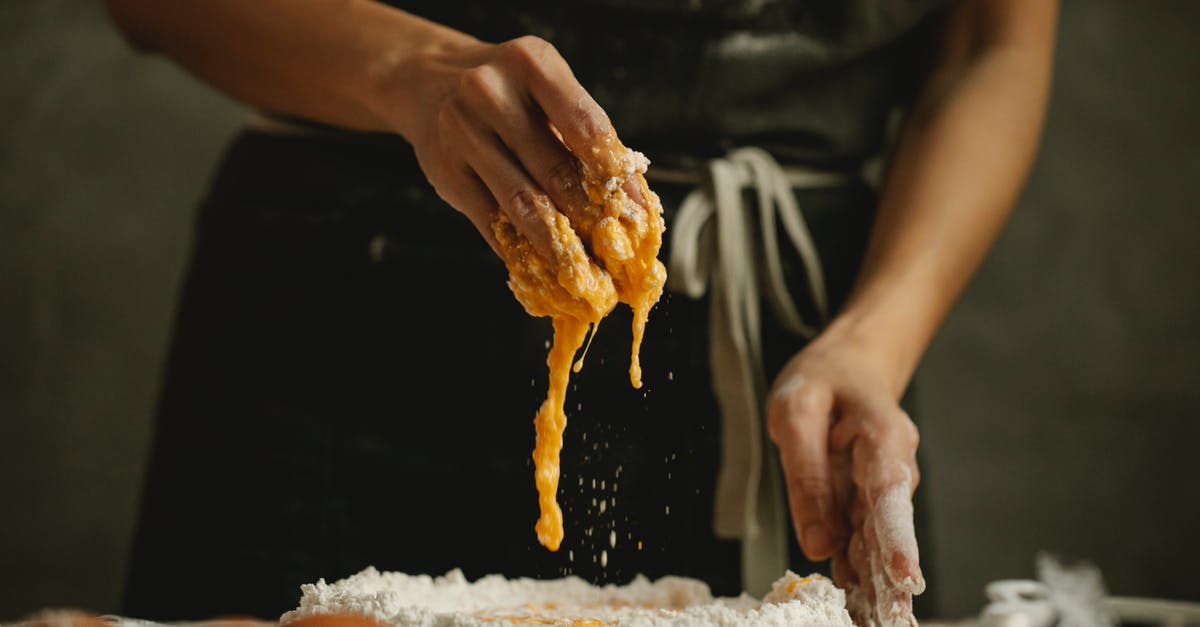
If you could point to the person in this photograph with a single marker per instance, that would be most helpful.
(350, 378)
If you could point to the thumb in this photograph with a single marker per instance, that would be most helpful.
(798, 419)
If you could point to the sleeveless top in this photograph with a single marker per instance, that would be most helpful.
(812, 82)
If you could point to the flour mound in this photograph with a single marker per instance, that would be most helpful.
(451, 600)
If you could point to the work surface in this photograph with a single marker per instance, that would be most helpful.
(67, 619)
(1129, 611)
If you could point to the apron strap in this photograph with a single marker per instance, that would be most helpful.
(714, 249)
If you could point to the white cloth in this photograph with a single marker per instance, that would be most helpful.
(714, 250)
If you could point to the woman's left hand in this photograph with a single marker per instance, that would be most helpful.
(849, 455)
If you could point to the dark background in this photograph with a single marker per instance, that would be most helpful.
(1060, 401)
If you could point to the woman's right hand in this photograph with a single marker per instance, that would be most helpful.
(501, 128)
(496, 127)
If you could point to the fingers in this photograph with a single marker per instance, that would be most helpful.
(579, 119)
(872, 598)
(527, 135)
(892, 603)
(842, 570)
(860, 593)
(634, 191)
(883, 454)
(520, 117)
(462, 189)
(798, 419)
(475, 201)
(896, 539)
(883, 555)
(883, 443)
(513, 192)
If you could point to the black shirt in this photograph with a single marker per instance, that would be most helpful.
(812, 82)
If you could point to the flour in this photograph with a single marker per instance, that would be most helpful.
(451, 600)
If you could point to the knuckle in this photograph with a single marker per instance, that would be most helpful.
(591, 122)
(449, 120)
(446, 182)
(564, 176)
(780, 424)
(481, 83)
(805, 400)
(889, 427)
(529, 51)
(907, 429)
(912, 433)
(541, 61)
(525, 203)
(809, 481)
(446, 192)
(787, 409)
(438, 175)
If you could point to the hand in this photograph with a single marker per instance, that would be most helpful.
(849, 455)
(502, 127)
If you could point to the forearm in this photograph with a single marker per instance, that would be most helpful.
(956, 174)
(326, 60)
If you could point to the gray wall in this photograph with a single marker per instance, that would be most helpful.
(1060, 401)
(103, 156)
(1062, 396)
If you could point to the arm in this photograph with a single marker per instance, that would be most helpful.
(322, 60)
(847, 448)
(479, 115)
(959, 166)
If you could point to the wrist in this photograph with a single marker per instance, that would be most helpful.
(407, 75)
(891, 334)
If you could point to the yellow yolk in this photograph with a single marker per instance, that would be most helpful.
(791, 587)
(577, 289)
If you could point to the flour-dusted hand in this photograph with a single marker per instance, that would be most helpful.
(849, 455)
(957, 166)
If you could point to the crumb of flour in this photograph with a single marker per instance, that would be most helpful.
(403, 600)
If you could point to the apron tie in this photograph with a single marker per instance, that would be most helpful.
(714, 249)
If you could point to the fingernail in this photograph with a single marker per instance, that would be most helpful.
(634, 191)
(817, 540)
(918, 584)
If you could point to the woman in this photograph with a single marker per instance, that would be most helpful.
(346, 383)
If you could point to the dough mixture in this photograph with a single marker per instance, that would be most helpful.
(602, 254)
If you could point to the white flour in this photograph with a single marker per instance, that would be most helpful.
(452, 601)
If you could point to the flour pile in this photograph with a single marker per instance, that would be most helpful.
(452, 601)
